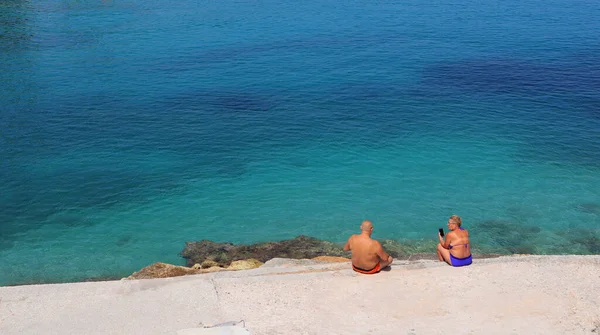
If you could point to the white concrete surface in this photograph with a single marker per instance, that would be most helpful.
(507, 295)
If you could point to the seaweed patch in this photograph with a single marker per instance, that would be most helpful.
(589, 207)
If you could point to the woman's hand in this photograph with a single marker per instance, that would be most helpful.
(442, 241)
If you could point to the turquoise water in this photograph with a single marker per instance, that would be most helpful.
(130, 127)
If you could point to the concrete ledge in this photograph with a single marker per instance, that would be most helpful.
(509, 294)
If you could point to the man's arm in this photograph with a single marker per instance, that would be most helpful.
(347, 246)
(381, 253)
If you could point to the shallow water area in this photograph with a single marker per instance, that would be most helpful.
(128, 128)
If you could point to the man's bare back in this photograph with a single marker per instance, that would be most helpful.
(368, 255)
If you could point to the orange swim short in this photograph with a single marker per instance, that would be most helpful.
(374, 270)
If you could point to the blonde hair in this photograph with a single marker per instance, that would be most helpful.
(456, 219)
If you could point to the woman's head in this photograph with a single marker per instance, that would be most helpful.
(455, 219)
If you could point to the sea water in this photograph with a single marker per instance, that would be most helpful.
(130, 127)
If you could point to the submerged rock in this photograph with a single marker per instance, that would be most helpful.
(407, 248)
(507, 236)
(224, 253)
(587, 239)
(589, 208)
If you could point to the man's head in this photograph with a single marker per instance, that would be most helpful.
(366, 227)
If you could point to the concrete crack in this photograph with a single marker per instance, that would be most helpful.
(212, 280)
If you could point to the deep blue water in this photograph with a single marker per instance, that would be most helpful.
(130, 127)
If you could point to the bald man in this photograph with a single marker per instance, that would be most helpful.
(368, 256)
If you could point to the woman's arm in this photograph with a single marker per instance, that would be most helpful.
(445, 242)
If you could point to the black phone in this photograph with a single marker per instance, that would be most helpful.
(442, 232)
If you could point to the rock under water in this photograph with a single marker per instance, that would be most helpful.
(222, 254)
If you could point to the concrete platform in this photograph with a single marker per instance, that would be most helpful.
(505, 295)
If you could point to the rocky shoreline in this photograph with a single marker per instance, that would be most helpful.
(204, 256)
(207, 256)
(208, 253)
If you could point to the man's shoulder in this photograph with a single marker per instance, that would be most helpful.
(371, 242)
